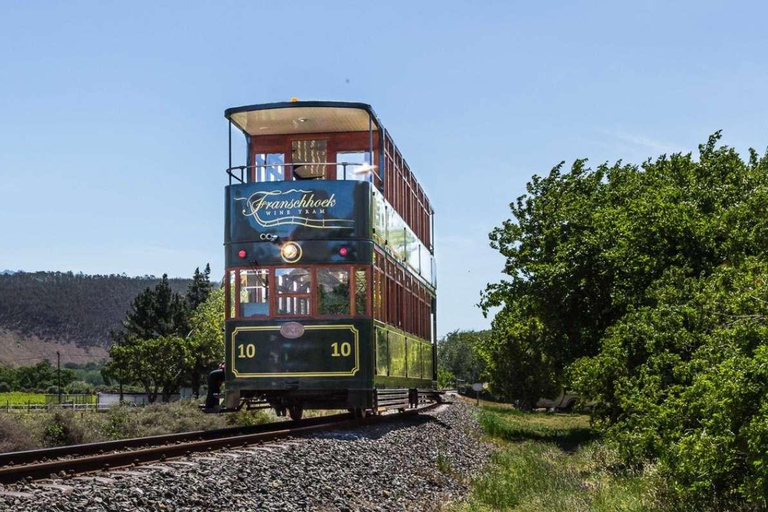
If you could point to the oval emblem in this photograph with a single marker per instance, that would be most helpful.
(292, 330)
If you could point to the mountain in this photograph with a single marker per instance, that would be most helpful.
(42, 312)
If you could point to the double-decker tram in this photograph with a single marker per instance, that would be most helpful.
(330, 271)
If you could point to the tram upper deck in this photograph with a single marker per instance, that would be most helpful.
(300, 143)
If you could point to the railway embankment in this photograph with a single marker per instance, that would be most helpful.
(415, 463)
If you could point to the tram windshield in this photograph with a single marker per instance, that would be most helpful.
(315, 290)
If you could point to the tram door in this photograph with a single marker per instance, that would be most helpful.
(305, 153)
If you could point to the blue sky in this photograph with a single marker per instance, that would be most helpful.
(113, 140)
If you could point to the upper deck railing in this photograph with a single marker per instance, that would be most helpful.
(350, 170)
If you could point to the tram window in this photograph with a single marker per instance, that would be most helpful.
(332, 291)
(254, 286)
(293, 285)
(307, 152)
(361, 292)
(292, 280)
(231, 291)
(359, 170)
(270, 167)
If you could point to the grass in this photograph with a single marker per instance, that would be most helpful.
(21, 398)
(554, 462)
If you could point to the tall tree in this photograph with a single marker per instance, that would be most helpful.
(155, 312)
(200, 287)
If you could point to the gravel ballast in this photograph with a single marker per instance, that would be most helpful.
(415, 463)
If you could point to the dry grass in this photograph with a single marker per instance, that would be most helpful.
(23, 431)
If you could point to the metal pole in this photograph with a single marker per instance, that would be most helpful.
(58, 373)
(120, 382)
(230, 153)
(370, 139)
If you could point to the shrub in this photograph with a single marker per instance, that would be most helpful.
(5, 387)
(62, 428)
(12, 437)
(79, 387)
(684, 381)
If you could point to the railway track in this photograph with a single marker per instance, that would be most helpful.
(85, 458)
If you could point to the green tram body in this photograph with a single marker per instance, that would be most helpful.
(290, 343)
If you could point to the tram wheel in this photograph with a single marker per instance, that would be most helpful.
(357, 413)
(296, 411)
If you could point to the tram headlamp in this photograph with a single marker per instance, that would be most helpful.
(343, 251)
(290, 252)
(242, 254)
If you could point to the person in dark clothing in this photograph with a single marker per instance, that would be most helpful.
(215, 379)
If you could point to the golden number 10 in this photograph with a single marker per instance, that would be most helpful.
(341, 350)
(248, 351)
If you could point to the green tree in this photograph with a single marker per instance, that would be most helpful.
(155, 312)
(200, 288)
(457, 353)
(206, 337)
(159, 364)
(645, 287)
(41, 376)
(519, 371)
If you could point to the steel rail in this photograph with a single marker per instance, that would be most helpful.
(161, 451)
(28, 456)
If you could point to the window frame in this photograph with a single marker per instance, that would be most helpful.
(272, 293)
(297, 295)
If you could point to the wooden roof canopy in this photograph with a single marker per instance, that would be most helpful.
(297, 117)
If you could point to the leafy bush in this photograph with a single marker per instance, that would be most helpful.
(5, 387)
(78, 387)
(685, 380)
(63, 429)
(645, 288)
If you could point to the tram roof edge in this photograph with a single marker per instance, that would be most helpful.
(289, 117)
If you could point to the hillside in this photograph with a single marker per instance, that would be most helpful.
(41, 312)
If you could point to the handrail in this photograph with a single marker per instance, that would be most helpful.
(292, 165)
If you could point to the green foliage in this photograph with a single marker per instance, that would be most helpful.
(199, 288)
(647, 285)
(163, 343)
(457, 353)
(158, 364)
(519, 370)
(206, 337)
(685, 380)
(445, 378)
(78, 387)
(155, 312)
(4, 387)
(40, 376)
